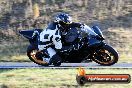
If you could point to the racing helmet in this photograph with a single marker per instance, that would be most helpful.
(63, 18)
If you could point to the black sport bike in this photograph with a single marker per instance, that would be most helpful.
(90, 48)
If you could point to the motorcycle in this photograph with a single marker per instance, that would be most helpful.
(90, 48)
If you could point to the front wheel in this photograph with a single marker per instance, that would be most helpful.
(106, 56)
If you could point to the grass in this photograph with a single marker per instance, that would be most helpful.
(125, 58)
(14, 58)
(14, 51)
(54, 78)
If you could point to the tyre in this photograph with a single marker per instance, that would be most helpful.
(31, 53)
(106, 56)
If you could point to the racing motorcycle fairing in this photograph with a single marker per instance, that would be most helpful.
(89, 48)
(29, 34)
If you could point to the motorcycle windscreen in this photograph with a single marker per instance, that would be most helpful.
(97, 30)
(27, 33)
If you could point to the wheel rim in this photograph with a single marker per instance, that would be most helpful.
(106, 57)
(38, 60)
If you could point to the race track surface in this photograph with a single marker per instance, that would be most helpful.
(16, 65)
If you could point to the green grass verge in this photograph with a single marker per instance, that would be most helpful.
(54, 78)
(125, 58)
(15, 52)
(14, 58)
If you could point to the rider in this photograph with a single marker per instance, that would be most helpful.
(53, 34)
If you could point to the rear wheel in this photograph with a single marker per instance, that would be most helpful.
(106, 56)
(31, 53)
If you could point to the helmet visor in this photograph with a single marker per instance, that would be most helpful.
(68, 20)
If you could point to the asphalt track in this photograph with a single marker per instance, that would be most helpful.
(23, 65)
